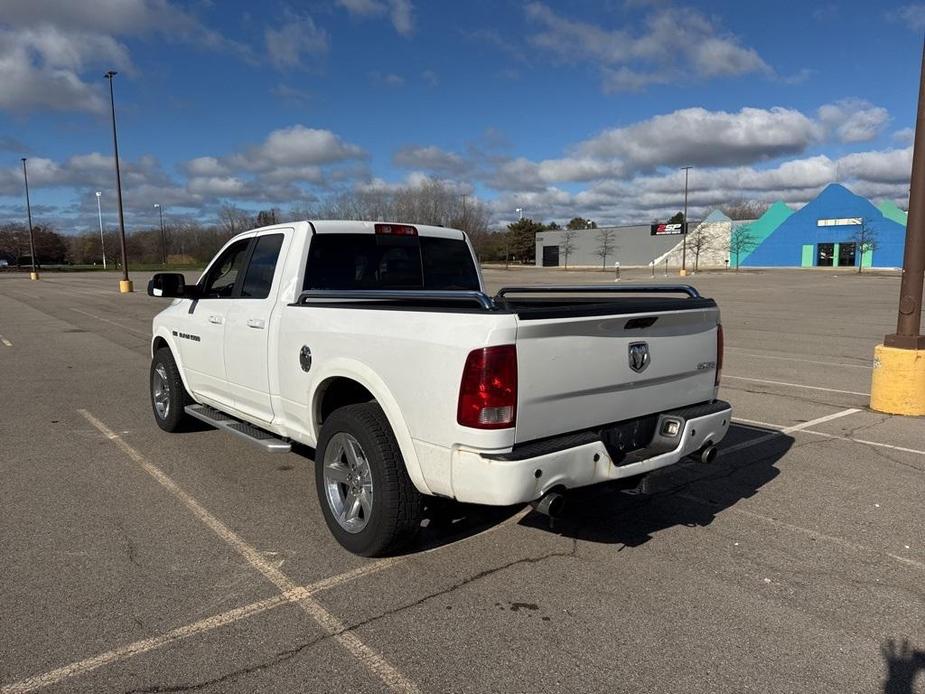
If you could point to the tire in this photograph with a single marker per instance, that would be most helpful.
(391, 514)
(168, 396)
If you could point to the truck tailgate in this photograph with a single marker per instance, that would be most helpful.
(575, 372)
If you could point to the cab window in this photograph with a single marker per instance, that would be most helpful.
(258, 279)
(220, 280)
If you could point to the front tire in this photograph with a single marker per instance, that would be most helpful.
(168, 396)
(369, 503)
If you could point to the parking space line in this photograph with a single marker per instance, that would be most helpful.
(82, 667)
(5, 342)
(112, 322)
(373, 660)
(824, 434)
(804, 361)
(786, 430)
(810, 532)
(795, 385)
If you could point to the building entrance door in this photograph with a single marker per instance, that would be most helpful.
(846, 253)
(550, 256)
(825, 253)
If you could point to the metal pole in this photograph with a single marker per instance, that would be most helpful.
(160, 211)
(909, 320)
(115, 146)
(25, 178)
(684, 222)
(99, 211)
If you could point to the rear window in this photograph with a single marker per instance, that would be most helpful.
(368, 261)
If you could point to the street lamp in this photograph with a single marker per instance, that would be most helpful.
(35, 273)
(160, 210)
(125, 284)
(686, 170)
(520, 212)
(99, 211)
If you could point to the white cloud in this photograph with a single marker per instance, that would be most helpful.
(705, 138)
(854, 120)
(47, 48)
(298, 36)
(295, 146)
(400, 12)
(905, 135)
(205, 166)
(389, 79)
(886, 166)
(911, 16)
(430, 158)
(671, 44)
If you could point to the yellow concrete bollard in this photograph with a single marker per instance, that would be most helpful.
(33, 275)
(682, 273)
(126, 286)
(898, 383)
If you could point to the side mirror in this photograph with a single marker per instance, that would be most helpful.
(171, 285)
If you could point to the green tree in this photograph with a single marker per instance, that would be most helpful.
(578, 223)
(677, 218)
(522, 239)
(552, 226)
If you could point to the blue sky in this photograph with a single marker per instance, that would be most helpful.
(564, 109)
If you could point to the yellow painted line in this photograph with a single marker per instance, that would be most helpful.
(390, 676)
(6, 342)
(794, 385)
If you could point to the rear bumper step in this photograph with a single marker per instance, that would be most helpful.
(257, 436)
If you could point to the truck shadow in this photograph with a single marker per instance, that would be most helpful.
(689, 494)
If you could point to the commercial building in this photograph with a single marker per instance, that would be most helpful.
(838, 228)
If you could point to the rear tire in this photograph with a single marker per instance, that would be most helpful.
(168, 396)
(369, 503)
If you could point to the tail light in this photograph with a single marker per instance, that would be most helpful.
(720, 347)
(488, 392)
(396, 229)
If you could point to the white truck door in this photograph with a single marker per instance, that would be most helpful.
(200, 332)
(247, 327)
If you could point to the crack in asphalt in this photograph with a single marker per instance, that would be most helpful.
(288, 654)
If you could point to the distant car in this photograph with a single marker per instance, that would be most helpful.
(4, 263)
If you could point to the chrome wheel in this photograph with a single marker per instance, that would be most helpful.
(160, 391)
(348, 482)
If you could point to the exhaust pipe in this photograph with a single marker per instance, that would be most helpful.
(550, 504)
(708, 453)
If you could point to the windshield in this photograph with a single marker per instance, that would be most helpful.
(367, 261)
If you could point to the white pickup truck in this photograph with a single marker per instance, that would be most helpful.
(377, 345)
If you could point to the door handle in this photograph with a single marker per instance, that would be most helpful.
(218, 320)
(258, 323)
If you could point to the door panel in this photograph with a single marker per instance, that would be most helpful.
(247, 328)
(200, 331)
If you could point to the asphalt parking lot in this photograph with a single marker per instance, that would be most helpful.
(138, 561)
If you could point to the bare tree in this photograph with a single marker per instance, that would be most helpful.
(568, 243)
(865, 240)
(744, 209)
(699, 242)
(606, 245)
(741, 240)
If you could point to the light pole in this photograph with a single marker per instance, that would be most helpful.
(35, 273)
(520, 212)
(898, 380)
(686, 170)
(160, 210)
(99, 211)
(125, 284)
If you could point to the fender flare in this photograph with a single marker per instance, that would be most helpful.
(164, 334)
(369, 379)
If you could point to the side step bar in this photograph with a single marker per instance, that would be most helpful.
(247, 431)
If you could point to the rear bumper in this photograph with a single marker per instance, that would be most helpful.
(581, 459)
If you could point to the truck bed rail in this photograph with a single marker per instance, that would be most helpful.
(414, 295)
